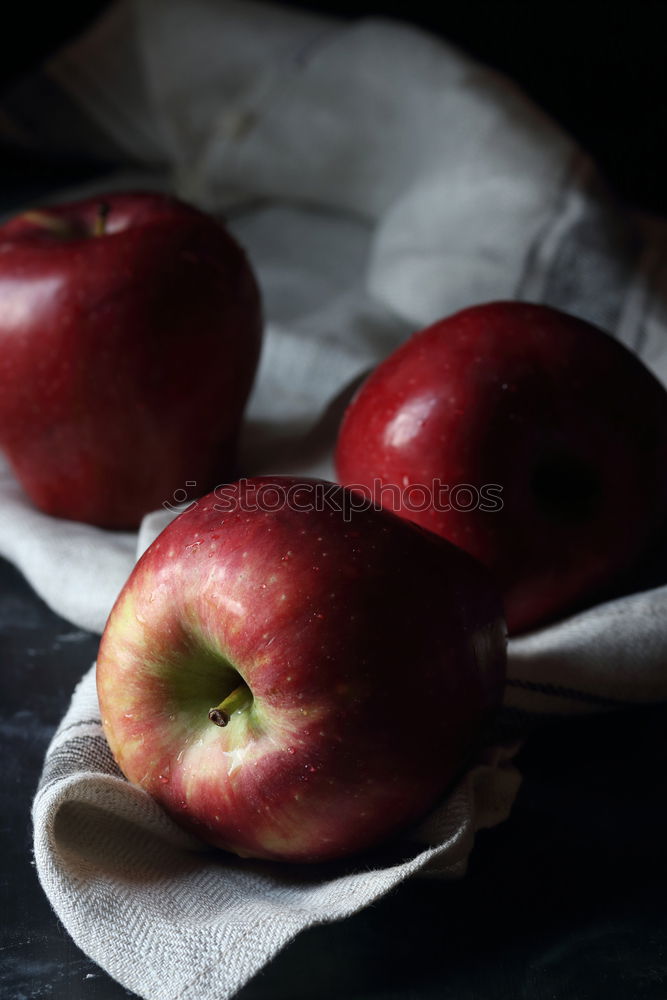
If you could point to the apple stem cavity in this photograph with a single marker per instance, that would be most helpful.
(52, 223)
(236, 701)
(100, 224)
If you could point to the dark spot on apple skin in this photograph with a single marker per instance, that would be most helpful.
(566, 488)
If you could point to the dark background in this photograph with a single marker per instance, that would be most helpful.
(598, 68)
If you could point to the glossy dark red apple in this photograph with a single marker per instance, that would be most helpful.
(558, 431)
(295, 679)
(130, 330)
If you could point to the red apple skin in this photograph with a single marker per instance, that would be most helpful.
(374, 651)
(126, 358)
(568, 422)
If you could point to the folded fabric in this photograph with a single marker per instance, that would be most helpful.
(379, 180)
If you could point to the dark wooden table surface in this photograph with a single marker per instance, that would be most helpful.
(565, 901)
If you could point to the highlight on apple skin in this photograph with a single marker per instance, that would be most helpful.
(544, 412)
(299, 678)
(130, 331)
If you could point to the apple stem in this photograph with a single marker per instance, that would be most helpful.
(236, 701)
(100, 224)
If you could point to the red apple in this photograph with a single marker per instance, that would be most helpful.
(130, 330)
(354, 657)
(558, 432)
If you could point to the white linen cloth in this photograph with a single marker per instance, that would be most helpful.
(379, 180)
